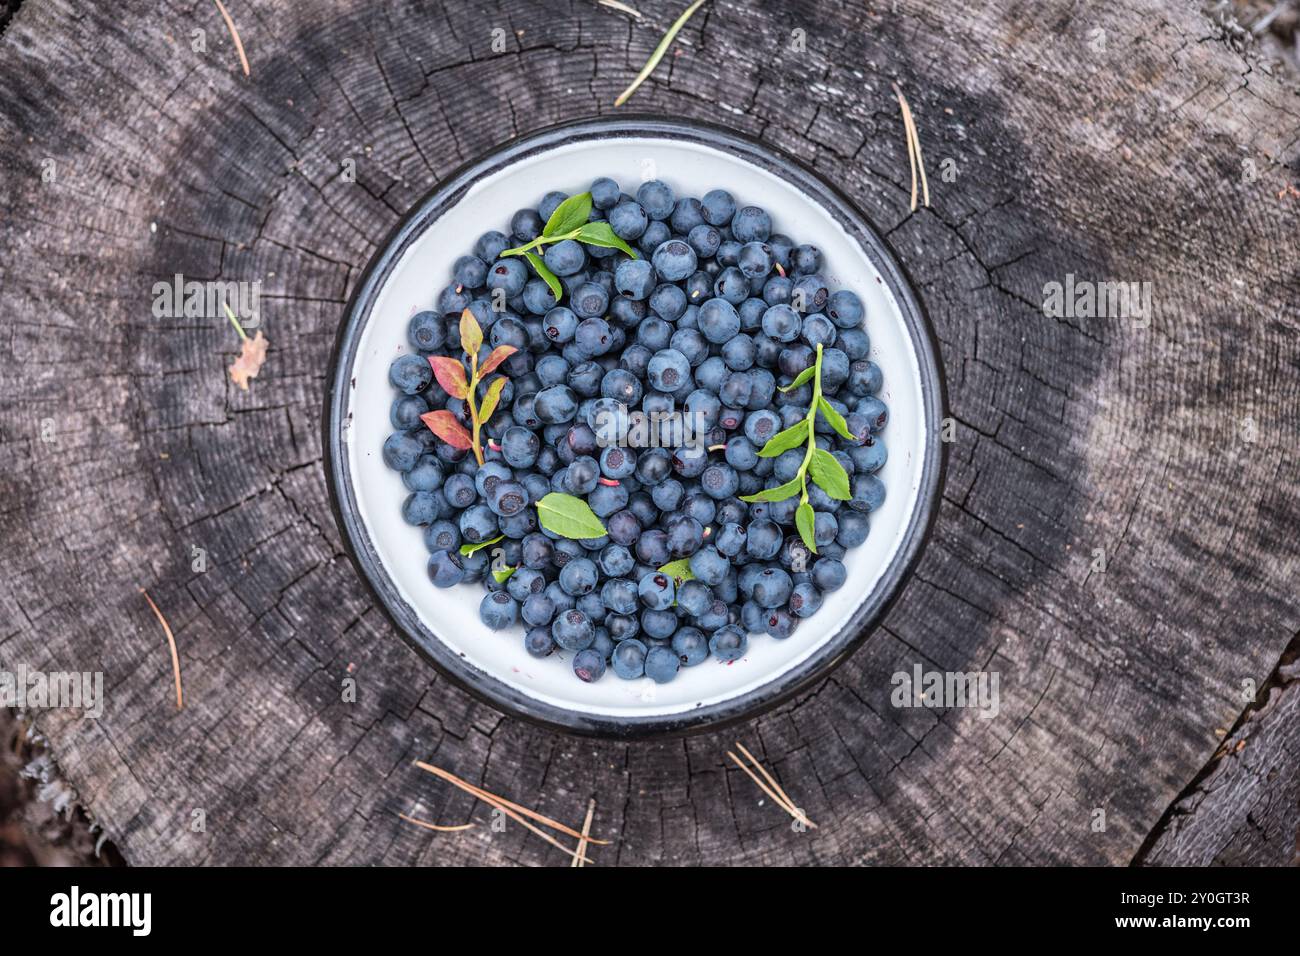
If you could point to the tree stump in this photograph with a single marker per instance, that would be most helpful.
(1117, 534)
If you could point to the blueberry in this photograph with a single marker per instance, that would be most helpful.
(628, 220)
(719, 321)
(661, 664)
(579, 577)
(426, 331)
(555, 405)
(402, 450)
(490, 245)
(668, 370)
(635, 278)
(868, 493)
(589, 300)
(656, 198)
(560, 324)
(731, 285)
(498, 610)
(705, 240)
(538, 642)
(629, 659)
(805, 260)
(508, 498)
(708, 566)
(657, 591)
(459, 491)
(690, 645)
(537, 610)
(410, 374)
(549, 203)
(593, 337)
(526, 225)
(604, 193)
(589, 665)
(606, 500)
(755, 260)
(445, 568)
(674, 260)
(622, 627)
(773, 587)
(573, 630)
(509, 275)
(565, 258)
(478, 524)
(655, 235)
(728, 643)
(780, 623)
(781, 323)
(538, 297)
(809, 294)
(875, 411)
(805, 600)
(718, 206)
(751, 224)
(668, 302)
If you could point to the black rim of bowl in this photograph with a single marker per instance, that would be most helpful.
(485, 686)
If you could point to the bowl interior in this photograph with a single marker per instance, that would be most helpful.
(492, 660)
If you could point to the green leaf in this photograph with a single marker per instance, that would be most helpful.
(779, 493)
(546, 274)
(830, 475)
(835, 420)
(679, 570)
(504, 574)
(569, 215)
(467, 549)
(602, 234)
(792, 437)
(803, 520)
(800, 379)
(569, 517)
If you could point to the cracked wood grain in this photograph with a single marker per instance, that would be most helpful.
(1124, 162)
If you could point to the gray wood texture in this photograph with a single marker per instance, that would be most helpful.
(1128, 141)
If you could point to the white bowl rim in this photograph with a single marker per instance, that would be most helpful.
(490, 688)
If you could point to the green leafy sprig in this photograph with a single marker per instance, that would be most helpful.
(827, 473)
(569, 221)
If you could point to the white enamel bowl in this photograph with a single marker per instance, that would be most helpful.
(405, 277)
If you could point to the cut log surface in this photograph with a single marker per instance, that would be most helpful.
(1117, 537)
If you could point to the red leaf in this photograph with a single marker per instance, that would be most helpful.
(450, 375)
(499, 355)
(443, 424)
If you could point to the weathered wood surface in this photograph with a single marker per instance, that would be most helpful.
(1123, 141)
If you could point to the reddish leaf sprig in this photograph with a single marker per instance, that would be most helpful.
(451, 375)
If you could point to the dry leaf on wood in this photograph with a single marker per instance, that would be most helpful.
(250, 360)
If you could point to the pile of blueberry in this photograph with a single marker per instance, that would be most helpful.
(647, 389)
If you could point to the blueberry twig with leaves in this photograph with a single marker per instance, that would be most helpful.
(827, 472)
(569, 221)
(450, 373)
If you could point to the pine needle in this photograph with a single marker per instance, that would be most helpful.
(586, 830)
(782, 800)
(434, 826)
(913, 148)
(659, 52)
(621, 7)
(513, 811)
(239, 44)
(171, 641)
